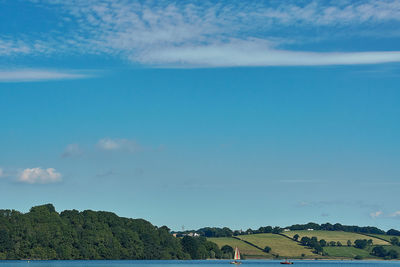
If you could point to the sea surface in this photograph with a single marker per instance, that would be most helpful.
(196, 263)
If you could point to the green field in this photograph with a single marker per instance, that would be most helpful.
(385, 237)
(244, 248)
(279, 245)
(335, 236)
(347, 252)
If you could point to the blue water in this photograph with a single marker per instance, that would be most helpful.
(194, 263)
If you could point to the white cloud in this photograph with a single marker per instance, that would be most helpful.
(376, 214)
(39, 176)
(206, 34)
(34, 75)
(395, 214)
(256, 53)
(109, 144)
(72, 150)
(1, 173)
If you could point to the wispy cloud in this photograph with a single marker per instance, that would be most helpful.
(39, 176)
(109, 144)
(72, 150)
(376, 214)
(395, 214)
(36, 75)
(206, 34)
(2, 174)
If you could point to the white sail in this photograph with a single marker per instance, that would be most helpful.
(237, 254)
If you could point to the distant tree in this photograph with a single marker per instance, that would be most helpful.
(358, 257)
(296, 237)
(322, 242)
(332, 243)
(393, 254)
(393, 232)
(317, 248)
(348, 243)
(360, 243)
(394, 241)
(277, 230)
(303, 255)
(267, 249)
(379, 251)
(369, 242)
(339, 244)
(227, 249)
(305, 241)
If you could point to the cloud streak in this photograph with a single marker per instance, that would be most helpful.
(205, 34)
(72, 150)
(37, 75)
(109, 144)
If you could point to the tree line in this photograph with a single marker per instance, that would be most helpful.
(227, 232)
(42, 233)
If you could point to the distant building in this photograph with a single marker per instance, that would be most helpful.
(286, 230)
(310, 229)
(174, 234)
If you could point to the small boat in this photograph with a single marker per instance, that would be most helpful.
(286, 262)
(236, 258)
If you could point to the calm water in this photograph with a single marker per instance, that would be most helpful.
(208, 263)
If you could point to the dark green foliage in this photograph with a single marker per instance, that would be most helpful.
(215, 232)
(358, 257)
(200, 248)
(361, 243)
(267, 249)
(394, 241)
(42, 233)
(296, 237)
(348, 243)
(313, 243)
(393, 232)
(322, 242)
(380, 251)
(227, 249)
(340, 227)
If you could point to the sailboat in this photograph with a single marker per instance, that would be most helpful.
(236, 258)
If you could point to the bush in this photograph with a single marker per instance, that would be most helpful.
(267, 249)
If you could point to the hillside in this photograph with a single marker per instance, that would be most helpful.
(43, 233)
(336, 236)
(283, 246)
(279, 245)
(246, 249)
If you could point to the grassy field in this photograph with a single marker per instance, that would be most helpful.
(335, 236)
(279, 245)
(244, 248)
(347, 252)
(386, 237)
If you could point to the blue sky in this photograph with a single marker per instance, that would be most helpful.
(203, 113)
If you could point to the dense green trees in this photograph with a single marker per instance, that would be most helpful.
(361, 243)
(340, 227)
(42, 233)
(200, 248)
(380, 251)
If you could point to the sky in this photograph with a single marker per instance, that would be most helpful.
(203, 113)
